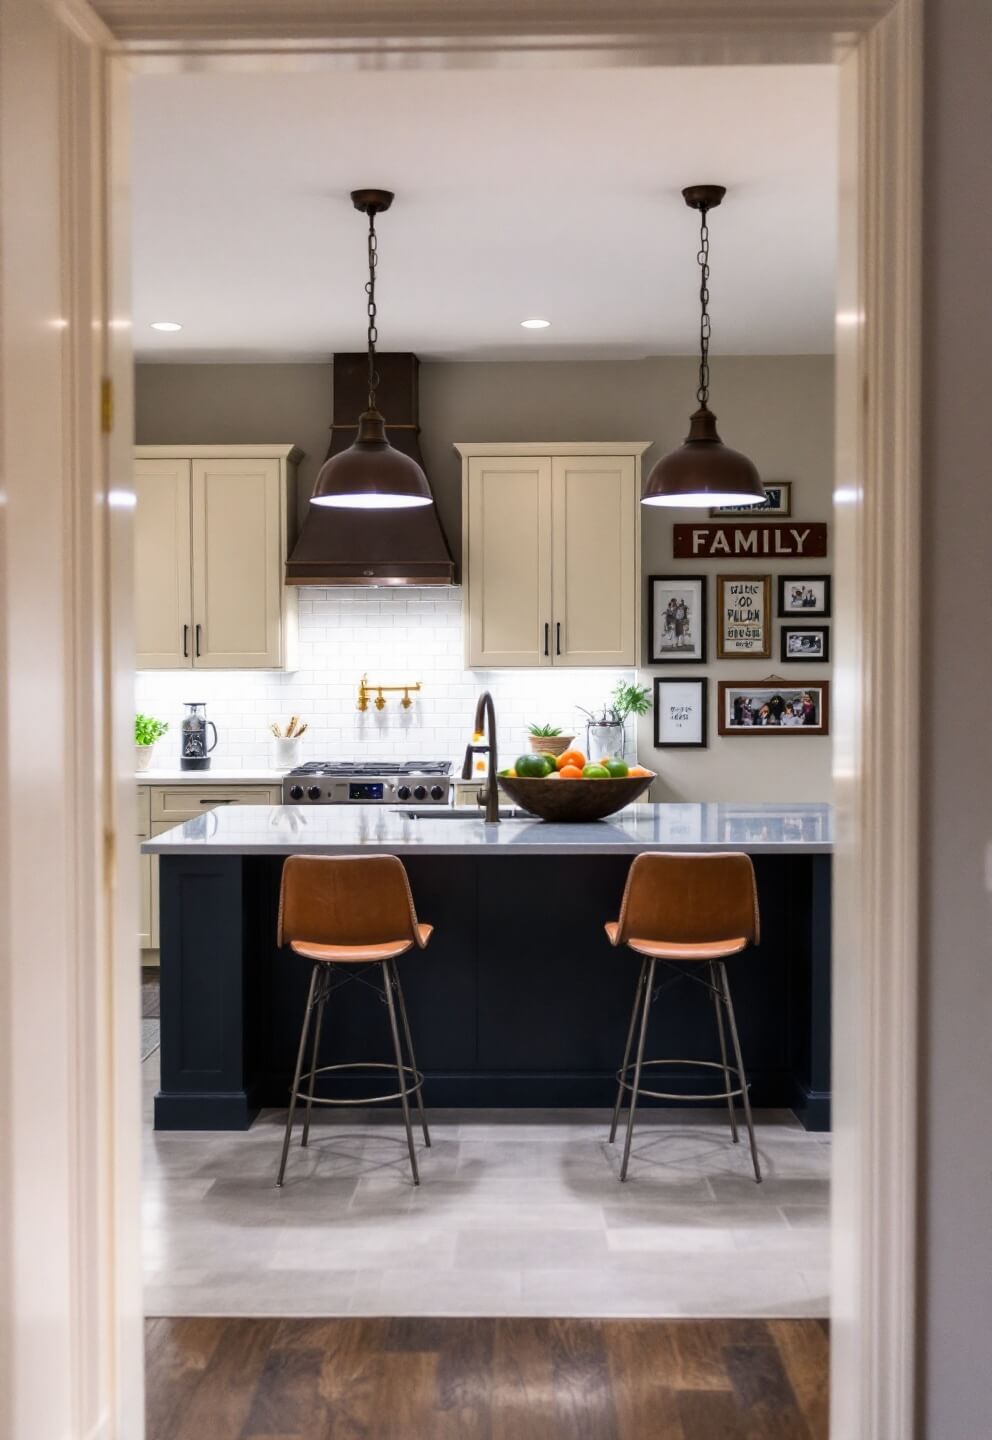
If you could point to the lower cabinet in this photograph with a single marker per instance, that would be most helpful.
(161, 808)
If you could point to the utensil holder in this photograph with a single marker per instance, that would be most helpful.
(286, 752)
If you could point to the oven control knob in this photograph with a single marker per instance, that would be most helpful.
(296, 792)
(314, 792)
(419, 793)
(403, 792)
(437, 793)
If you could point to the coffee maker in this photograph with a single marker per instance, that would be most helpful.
(194, 752)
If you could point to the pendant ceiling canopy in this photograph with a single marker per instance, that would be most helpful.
(703, 471)
(371, 474)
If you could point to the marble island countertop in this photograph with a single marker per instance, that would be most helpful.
(760, 829)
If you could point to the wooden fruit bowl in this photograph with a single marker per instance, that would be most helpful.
(574, 800)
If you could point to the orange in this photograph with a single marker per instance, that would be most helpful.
(570, 772)
(638, 772)
(570, 757)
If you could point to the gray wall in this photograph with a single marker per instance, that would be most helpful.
(956, 705)
(778, 409)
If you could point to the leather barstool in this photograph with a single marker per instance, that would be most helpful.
(349, 915)
(688, 913)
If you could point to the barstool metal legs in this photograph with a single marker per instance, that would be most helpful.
(315, 1054)
(409, 1050)
(645, 1012)
(731, 1109)
(741, 1077)
(296, 1074)
(400, 1073)
(638, 998)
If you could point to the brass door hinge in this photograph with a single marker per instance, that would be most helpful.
(106, 405)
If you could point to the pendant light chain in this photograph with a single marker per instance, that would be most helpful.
(371, 307)
(703, 258)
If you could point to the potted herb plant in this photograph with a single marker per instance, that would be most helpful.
(548, 739)
(146, 731)
(606, 731)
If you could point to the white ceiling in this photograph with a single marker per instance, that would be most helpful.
(519, 192)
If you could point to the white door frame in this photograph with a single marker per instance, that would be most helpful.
(877, 44)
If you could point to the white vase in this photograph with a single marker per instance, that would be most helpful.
(143, 756)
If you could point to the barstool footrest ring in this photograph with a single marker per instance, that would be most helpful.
(625, 1084)
(418, 1081)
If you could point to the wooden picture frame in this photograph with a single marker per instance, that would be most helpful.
(744, 617)
(664, 637)
(778, 506)
(685, 693)
(791, 653)
(777, 697)
(788, 585)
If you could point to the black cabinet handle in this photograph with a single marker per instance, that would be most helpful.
(547, 637)
(557, 637)
(218, 802)
(185, 642)
(198, 639)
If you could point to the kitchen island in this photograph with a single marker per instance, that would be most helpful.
(519, 1000)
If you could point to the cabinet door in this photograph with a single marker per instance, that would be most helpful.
(163, 617)
(237, 564)
(595, 560)
(509, 561)
(145, 899)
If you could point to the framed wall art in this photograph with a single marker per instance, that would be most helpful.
(778, 503)
(803, 595)
(676, 619)
(805, 644)
(680, 712)
(744, 617)
(773, 707)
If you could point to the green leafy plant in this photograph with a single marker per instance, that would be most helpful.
(627, 699)
(147, 729)
(546, 730)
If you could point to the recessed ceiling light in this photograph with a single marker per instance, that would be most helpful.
(535, 324)
(165, 325)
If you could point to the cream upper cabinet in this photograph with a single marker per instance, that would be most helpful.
(163, 601)
(551, 554)
(213, 527)
(508, 582)
(595, 560)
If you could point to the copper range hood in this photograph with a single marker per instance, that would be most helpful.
(373, 547)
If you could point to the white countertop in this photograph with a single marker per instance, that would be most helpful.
(342, 829)
(176, 776)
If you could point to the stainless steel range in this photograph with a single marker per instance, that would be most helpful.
(368, 782)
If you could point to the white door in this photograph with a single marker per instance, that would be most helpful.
(163, 607)
(509, 561)
(237, 564)
(594, 565)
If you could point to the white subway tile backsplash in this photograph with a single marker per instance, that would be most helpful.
(395, 637)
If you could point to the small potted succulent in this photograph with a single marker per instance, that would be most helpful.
(146, 731)
(548, 739)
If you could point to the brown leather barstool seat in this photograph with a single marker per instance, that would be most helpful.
(691, 913)
(351, 911)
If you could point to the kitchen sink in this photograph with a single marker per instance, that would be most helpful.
(460, 812)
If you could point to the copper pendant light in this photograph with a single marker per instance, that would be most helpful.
(703, 471)
(370, 474)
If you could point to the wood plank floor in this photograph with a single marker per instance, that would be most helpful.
(503, 1379)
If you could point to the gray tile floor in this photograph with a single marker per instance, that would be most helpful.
(518, 1213)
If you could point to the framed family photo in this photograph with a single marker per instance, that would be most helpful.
(805, 643)
(744, 616)
(778, 503)
(676, 619)
(803, 595)
(680, 712)
(772, 708)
